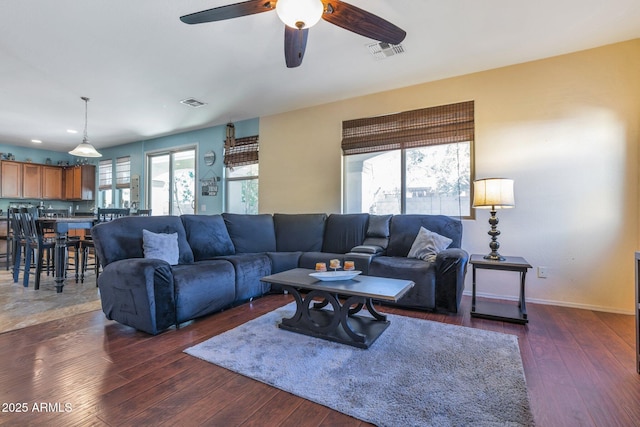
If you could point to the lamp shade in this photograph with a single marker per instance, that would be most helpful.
(84, 149)
(299, 14)
(493, 193)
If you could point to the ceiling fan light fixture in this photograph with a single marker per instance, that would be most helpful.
(85, 149)
(299, 14)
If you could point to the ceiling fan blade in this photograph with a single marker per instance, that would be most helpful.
(295, 42)
(361, 22)
(229, 11)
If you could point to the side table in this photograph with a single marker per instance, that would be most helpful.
(497, 310)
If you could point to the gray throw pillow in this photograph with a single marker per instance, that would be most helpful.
(161, 246)
(427, 245)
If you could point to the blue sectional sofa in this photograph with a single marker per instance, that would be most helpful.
(220, 259)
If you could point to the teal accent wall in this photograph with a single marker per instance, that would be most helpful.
(208, 139)
(23, 154)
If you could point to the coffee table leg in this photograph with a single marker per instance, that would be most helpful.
(296, 295)
(345, 312)
(340, 324)
(375, 313)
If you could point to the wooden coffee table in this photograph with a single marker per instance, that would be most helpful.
(341, 324)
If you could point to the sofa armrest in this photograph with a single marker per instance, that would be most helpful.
(361, 260)
(451, 268)
(139, 292)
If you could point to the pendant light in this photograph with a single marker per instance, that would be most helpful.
(84, 149)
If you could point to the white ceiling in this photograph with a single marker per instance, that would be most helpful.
(136, 60)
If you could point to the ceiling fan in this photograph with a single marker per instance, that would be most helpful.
(300, 15)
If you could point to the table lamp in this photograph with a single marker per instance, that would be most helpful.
(493, 193)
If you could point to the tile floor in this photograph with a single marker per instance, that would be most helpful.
(20, 306)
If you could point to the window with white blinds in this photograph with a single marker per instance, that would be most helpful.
(105, 174)
(123, 172)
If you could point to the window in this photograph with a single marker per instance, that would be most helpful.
(418, 162)
(242, 189)
(123, 181)
(241, 177)
(105, 181)
(171, 182)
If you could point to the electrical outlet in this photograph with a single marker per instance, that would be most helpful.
(203, 208)
(542, 272)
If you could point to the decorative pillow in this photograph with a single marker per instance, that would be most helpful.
(378, 225)
(162, 246)
(427, 245)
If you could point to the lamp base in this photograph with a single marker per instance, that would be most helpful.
(494, 233)
(494, 257)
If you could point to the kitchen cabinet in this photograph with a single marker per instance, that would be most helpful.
(31, 181)
(80, 182)
(11, 186)
(52, 182)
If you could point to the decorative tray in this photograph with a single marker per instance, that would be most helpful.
(328, 276)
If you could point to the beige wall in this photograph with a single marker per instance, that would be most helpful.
(566, 129)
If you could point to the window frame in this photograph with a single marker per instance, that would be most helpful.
(415, 129)
(171, 152)
(231, 179)
(105, 186)
(239, 152)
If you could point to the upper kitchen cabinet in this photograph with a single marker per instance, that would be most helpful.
(11, 179)
(52, 182)
(31, 181)
(80, 182)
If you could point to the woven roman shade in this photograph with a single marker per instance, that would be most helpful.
(241, 151)
(444, 124)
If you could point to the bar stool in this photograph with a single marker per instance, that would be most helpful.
(30, 239)
(73, 242)
(88, 249)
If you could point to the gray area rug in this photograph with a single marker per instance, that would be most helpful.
(418, 373)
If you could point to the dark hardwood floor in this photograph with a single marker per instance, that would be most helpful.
(86, 370)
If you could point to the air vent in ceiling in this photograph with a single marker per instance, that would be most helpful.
(381, 50)
(192, 102)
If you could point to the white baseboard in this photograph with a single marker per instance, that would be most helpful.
(556, 303)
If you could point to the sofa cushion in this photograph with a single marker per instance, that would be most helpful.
(251, 233)
(202, 288)
(162, 246)
(283, 261)
(122, 237)
(427, 245)
(344, 231)
(249, 269)
(208, 236)
(299, 232)
(405, 228)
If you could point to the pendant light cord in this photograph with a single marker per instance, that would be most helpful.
(86, 117)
